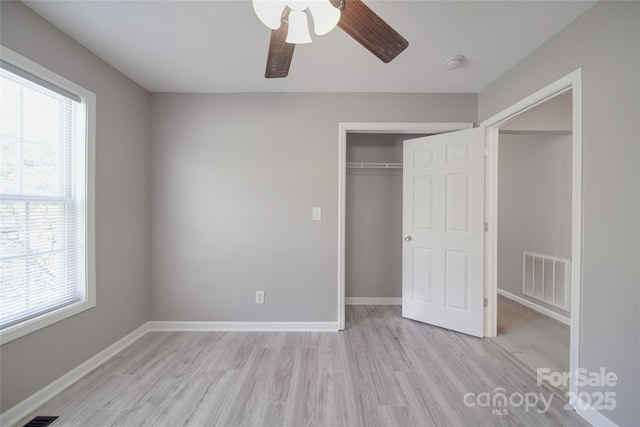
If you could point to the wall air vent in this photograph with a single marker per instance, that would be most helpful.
(546, 278)
(40, 421)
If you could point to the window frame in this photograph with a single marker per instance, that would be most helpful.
(89, 100)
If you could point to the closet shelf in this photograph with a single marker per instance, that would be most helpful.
(374, 165)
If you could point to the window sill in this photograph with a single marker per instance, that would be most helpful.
(47, 319)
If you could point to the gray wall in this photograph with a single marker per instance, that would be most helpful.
(373, 229)
(534, 204)
(234, 179)
(552, 115)
(122, 211)
(604, 41)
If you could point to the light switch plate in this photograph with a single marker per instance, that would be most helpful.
(317, 214)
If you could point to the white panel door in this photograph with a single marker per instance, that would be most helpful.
(443, 227)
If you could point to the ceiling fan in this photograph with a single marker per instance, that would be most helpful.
(289, 25)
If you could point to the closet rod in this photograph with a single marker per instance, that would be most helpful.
(374, 165)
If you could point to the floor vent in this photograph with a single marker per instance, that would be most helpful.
(40, 421)
(547, 279)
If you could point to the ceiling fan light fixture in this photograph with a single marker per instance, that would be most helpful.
(325, 16)
(270, 12)
(298, 28)
(354, 17)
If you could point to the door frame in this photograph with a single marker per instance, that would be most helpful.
(570, 82)
(371, 127)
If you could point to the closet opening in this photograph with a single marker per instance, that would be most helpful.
(370, 209)
(373, 227)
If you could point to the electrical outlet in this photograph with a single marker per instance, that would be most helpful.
(259, 297)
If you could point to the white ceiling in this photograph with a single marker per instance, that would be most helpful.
(221, 46)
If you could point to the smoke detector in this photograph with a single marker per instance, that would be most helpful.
(454, 62)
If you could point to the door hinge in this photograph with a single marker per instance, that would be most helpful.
(486, 226)
(486, 151)
(486, 302)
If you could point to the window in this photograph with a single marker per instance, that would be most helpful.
(46, 222)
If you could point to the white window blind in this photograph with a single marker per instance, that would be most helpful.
(43, 177)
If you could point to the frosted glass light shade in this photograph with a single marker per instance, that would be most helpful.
(270, 12)
(325, 16)
(298, 28)
(298, 4)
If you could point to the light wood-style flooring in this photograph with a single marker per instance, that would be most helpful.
(382, 371)
(535, 340)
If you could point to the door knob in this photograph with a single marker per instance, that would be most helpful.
(407, 238)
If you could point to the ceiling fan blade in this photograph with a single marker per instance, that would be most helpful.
(280, 53)
(368, 29)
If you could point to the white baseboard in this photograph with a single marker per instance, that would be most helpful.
(245, 326)
(30, 404)
(533, 306)
(373, 301)
(593, 417)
